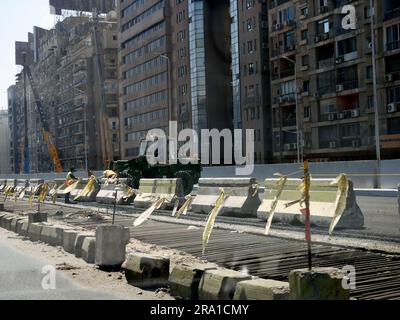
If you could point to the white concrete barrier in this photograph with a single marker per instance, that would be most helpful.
(108, 188)
(34, 187)
(150, 190)
(242, 196)
(322, 204)
(20, 186)
(90, 197)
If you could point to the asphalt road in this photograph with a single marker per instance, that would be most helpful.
(21, 279)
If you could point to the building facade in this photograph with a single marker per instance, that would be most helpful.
(4, 142)
(322, 80)
(74, 68)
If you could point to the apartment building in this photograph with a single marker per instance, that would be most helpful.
(322, 80)
(174, 65)
(251, 73)
(4, 142)
(74, 67)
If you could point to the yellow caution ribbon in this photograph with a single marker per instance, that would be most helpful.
(211, 219)
(43, 193)
(185, 207)
(280, 186)
(146, 215)
(341, 200)
(88, 188)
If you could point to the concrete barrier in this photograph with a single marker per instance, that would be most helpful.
(7, 221)
(52, 235)
(262, 289)
(220, 284)
(322, 204)
(90, 197)
(146, 271)
(36, 217)
(35, 231)
(242, 196)
(33, 187)
(19, 226)
(318, 284)
(108, 187)
(79, 243)
(24, 229)
(20, 186)
(89, 250)
(69, 238)
(111, 244)
(152, 189)
(6, 182)
(398, 198)
(60, 192)
(14, 223)
(184, 280)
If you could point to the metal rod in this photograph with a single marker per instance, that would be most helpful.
(307, 212)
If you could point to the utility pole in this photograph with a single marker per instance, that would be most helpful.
(26, 143)
(376, 108)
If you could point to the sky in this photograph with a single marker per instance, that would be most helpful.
(17, 19)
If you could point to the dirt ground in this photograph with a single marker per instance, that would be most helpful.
(89, 276)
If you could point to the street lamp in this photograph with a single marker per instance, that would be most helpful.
(297, 107)
(169, 84)
(85, 128)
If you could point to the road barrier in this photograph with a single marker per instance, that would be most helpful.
(20, 186)
(151, 190)
(85, 194)
(242, 196)
(34, 187)
(323, 204)
(108, 189)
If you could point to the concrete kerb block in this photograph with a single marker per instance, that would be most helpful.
(14, 223)
(36, 217)
(19, 226)
(89, 250)
(146, 271)
(35, 231)
(7, 222)
(3, 220)
(1, 206)
(52, 235)
(69, 238)
(262, 289)
(318, 284)
(80, 238)
(220, 284)
(184, 280)
(111, 241)
(24, 229)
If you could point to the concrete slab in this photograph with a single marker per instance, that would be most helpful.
(220, 284)
(24, 229)
(69, 238)
(262, 289)
(146, 271)
(111, 241)
(184, 280)
(89, 250)
(7, 222)
(19, 226)
(318, 284)
(34, 231)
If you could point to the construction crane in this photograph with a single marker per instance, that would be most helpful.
(45, 125)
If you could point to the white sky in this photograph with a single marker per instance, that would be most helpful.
(17, 19)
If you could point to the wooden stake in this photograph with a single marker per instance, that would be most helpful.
(307, 211)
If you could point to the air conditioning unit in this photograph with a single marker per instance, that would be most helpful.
(355, 143)
(294, 146)
(307, 119)
(339, 60)
(278, 26)
(339, 88)
(355, 113)
(324, 36)
(331, 116)
(341, 115)
(317, 39)
(287, 146)
(389, 77)
(332, 145)
(391, 108)
(316, 95)
(280, 99)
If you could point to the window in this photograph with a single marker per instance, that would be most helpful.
(304, 34)
(286, 15)
(323, 26)
(369, 72)
(350, 130)
(347, 46)
(252, 69)
(307, 112)
(393, 37)
(304, 11)
(367, 12)
(306, 86)
(305, 60)
(288, 87)
(394, 95)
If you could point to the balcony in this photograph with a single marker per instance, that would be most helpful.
(276, 3)
(287, 73)
(394, 45)
(326, 63)
(347, 85)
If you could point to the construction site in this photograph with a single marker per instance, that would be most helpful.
(85, 202)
